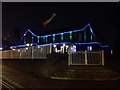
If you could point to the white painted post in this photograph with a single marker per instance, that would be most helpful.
(102, 57)
(11, 54)
(0, 55)
(71, 58)
(68, 58)
(50, 48)
(5, 54)
(20, 54)
(32, 51)
(85, 57)
(63, 48)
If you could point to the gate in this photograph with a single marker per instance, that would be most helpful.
(86, 58)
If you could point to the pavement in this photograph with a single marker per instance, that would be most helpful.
(89, 72)
(25, 80)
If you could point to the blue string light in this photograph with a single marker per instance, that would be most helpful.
(38, 41)
(25, 39)
(84, 35)
(86, 43)
(53, 38)
(46, 39)
(60, 33)
(45, 36)
(61, 36)
(71, 35)
(32, 39)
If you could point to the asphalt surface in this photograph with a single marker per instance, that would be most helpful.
(20, 79)
(7, 85)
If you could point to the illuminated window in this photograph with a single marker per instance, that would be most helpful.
(89, 48)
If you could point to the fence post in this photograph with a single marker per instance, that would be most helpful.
(0, 55)
(68, 58)
(20, 54)
(102, 57)
(5, 54)
(50, 48)
(85, 57)
(32, 51)
(11, 54)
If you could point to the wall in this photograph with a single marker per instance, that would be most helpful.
(41, 67)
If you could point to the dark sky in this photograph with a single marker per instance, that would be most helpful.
(103, 17)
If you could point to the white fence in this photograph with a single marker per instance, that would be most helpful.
(40, 52)
(34, 52)
(86, 58)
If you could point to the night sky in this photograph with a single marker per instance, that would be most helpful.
(103, 17)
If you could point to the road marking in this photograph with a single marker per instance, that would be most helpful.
(7, 85)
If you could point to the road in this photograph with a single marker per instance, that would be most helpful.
(20, 79)
(6, 85)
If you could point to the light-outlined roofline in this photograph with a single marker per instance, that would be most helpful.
(78, 30)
